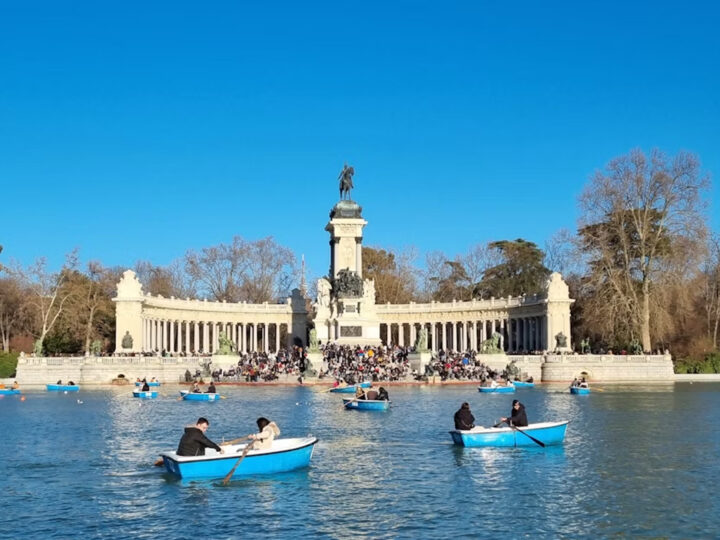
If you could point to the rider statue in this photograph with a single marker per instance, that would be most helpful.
(346, 183)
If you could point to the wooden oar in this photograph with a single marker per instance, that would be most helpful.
(526, 434)
(159, 462)
(356, 398)
(234, 441)
(232, 471)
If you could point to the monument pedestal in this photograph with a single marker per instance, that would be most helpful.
(418, 361)
(224, 361)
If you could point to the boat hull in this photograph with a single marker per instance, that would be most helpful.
(520, 384)
(496, 390)
(366, 404)
(190, 396)
(350, 389)
(292, 454)
(548, 433)
(138, 383)
(148, 394)
(62, 387)
(9, 392)
(579, 391)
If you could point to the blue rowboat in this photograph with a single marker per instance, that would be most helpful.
(140, 383)
(284, 455)
(367, 404)
(546, 432)
(145, 395)
(351, 389)
(520, 384)
(497, 390)
(191, 396)
(62, 387)
(579, 390)
(9, 392)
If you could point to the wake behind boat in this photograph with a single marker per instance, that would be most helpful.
(194, 396)
(285, 455)
(546, 432)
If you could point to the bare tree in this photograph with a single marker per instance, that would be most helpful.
(259, 271)
(711, 290)
(167, 281)
(637, 216)
(13, 309)
(48, 294)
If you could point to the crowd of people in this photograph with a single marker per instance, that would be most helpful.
(351, 365)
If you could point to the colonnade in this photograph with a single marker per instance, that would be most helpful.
(174, 336)
(517, 334)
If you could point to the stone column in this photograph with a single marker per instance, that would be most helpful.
(206, 338)
(277, 338)
(266, 337)
(196, 337)
(502, 334)
(358, 256)
(253, 329)
(413, 334)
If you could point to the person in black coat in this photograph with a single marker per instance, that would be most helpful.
(145, 387)
(211, 388)
(194, 442)
(464, 418)
(518, 417)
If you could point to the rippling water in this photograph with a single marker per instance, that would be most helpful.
(636, 462)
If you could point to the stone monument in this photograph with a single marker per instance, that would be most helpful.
(344, 311)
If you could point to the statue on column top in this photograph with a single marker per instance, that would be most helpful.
(346, 183)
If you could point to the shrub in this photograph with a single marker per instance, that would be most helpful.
(8, 364)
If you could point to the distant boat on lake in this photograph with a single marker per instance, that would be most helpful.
(546, 432)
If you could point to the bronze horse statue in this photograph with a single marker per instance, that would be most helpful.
(346, 183)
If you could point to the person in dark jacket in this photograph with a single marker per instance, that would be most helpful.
(211, 388)
(382, 394)
(194, 442)
(145, 387)
(518, 417)
(464, 418)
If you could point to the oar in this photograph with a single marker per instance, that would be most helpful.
(526, 434)
(232, 471)
(354, 399)
(159, 463)
(234, 441)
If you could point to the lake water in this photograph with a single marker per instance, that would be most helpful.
(636, 462)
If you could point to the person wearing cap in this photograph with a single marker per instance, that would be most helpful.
(518, 417)
(463, 417)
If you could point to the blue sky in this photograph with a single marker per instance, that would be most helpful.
(139, 130)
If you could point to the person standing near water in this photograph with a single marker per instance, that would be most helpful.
(518, 417)
(463, 417)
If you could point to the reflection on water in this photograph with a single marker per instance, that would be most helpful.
(636, 461)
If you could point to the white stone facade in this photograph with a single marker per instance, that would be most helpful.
(158, 324)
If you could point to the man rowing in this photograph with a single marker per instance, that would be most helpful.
(518, 417)
(194, 442)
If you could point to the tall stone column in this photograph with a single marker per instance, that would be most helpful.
(206, 338)
(413, 332)
(434, 331)
(277, 338)
(502, 334)
(266, 338)
(196, 337)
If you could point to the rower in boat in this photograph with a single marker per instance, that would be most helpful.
(196, 389)
(583, 383)
(15, 386)
(211, 388)
(262, 440)
(382, 395)
(518, 417)
(360, 393)
(145, 386)
(463, 417)
(194, 442)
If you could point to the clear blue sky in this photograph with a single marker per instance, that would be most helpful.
(138, 130)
